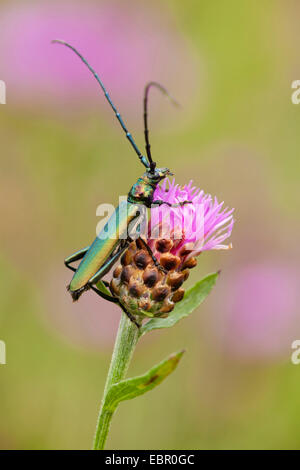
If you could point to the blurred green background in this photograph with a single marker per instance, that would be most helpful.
(231, 65)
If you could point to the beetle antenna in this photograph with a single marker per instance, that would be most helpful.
(118, 116)
(146, 130)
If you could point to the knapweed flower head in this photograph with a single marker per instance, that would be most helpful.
(189, 223)
(199, 225)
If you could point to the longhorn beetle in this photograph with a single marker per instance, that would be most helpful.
(98, 258)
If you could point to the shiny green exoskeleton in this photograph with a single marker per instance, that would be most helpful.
(98, 258)
(113, 240)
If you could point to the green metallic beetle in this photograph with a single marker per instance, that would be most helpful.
(110, 243)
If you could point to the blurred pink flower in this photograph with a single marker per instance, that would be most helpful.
(198, 226)
(258, 311)
(127, 44)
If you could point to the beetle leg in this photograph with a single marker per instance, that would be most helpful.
(75, 257)
(104, 296)
(179, 204)
(115, 301)
(154, 259)
(102, 271)
(107, 265)
(129, 315)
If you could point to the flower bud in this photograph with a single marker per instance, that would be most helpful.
(144, 288)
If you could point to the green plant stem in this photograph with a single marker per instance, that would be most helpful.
(126, 341)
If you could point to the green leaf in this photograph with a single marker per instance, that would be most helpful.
(102, 288)
(131, 388)
(192, 299)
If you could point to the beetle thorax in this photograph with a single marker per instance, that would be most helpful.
(142, 191)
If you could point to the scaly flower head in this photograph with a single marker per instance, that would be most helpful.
(176, 236)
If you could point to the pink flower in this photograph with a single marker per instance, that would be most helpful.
(257, 313)
(201, 225)
(176, 235)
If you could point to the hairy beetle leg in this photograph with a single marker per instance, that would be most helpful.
(75, 257)
(179, 204)
(154, 259)
(115, 301)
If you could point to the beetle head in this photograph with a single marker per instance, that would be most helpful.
(158, 174)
